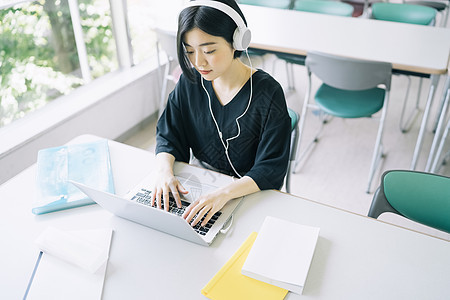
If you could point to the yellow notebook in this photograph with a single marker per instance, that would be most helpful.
(229, 283)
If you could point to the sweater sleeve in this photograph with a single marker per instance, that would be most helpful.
(272, 154)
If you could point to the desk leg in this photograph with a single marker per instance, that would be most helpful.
(434, 81)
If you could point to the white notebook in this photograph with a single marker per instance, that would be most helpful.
(282, 254)
(73, 274)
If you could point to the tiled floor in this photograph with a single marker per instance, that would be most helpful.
(336, 171)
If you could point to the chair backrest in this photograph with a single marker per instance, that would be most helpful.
(325, 7)
(284, 4)
(347, 73)
(293, 146)
(294, 118)
(418, 196)
(168, 42)
(404, 13)
(294, 133)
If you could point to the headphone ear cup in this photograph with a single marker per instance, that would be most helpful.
(241, 38)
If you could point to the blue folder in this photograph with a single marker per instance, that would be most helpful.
(87, 163)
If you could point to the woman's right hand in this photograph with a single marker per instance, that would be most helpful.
(165, 182)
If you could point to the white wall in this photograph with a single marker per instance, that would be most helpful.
(108, 107)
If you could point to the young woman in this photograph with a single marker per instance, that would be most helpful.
(233, 118)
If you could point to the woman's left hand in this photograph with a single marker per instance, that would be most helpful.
(206, 205)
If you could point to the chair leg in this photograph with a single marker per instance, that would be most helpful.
(288, 178)
(323, 120)
(440, 124)
(434, 78)
(306, 105)
(378, 150)
(290, 76)
(443, 138)
(406, 126)
(441, 103)
(439, 152)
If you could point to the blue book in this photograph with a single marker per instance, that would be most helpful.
(87, 163)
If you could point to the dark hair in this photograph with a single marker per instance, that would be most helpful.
(210, 20)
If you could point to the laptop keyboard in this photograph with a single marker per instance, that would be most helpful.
(144, 197)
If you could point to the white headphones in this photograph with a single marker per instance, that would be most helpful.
(242, 35)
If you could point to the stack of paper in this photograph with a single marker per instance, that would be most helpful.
(72, 265)
(229, 283)
(282, 254)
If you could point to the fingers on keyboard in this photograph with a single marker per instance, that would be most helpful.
(144, 197)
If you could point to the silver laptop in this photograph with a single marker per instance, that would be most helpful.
(136, 206)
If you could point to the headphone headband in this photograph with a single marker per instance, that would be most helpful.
(242, 35)
(222, 7)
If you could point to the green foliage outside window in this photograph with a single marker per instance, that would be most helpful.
(38, 55)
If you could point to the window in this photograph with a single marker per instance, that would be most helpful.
(48, 48)
(143, 16)
(40, 58)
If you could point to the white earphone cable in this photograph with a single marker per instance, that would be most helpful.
(226, 144)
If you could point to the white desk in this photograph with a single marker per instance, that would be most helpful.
(408, 47)
(356, 257)
(414, 48)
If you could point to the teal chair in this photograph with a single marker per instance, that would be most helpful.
(293, 149)
(418, 196)
(441, 7)
(328, 7)
(411, 14)
(350, 88)
(404, 13)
